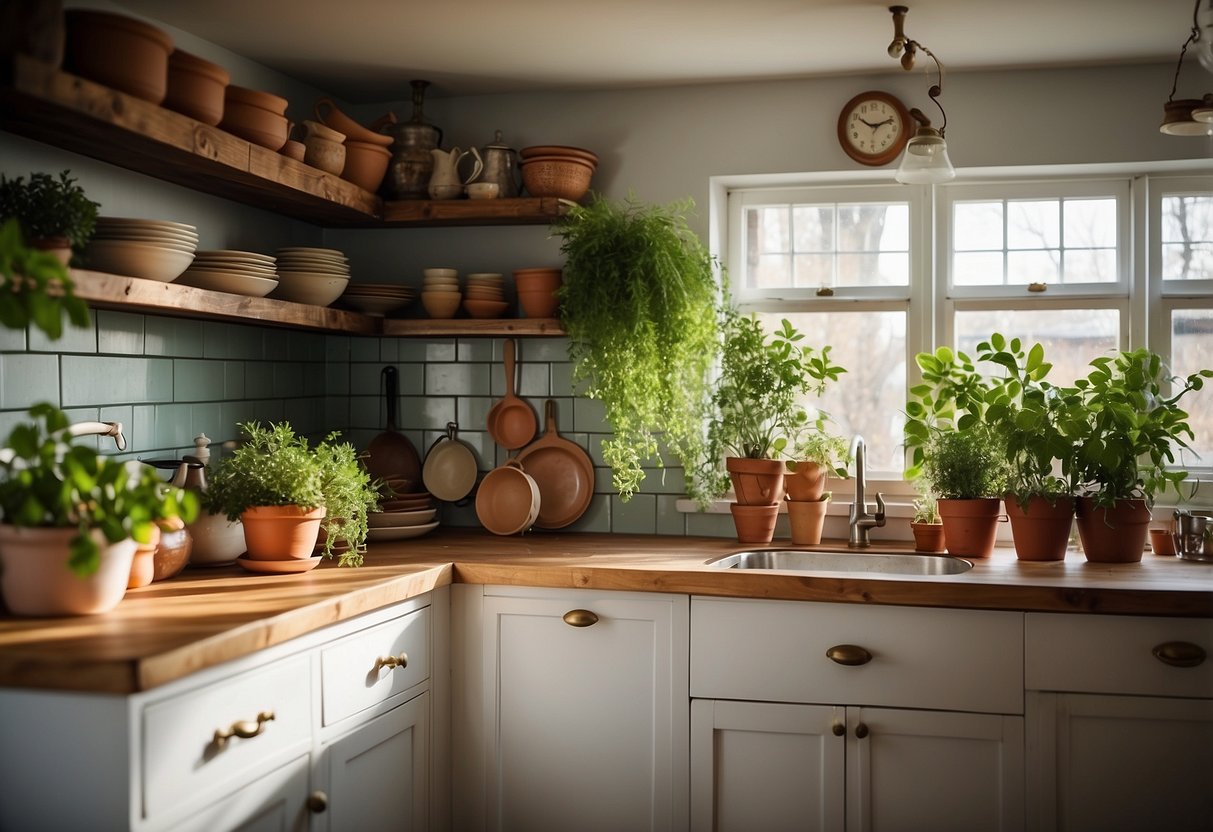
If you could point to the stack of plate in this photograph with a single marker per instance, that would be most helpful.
(150, 249)
(405, 515)
(238, 272)
(377, 299)
(311, 275)
(484, 296)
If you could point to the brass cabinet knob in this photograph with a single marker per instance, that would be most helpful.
(243, 729)
(1179, 653)
(850, 655)
(580, 618)
(839, 729)
(392, 662)
(317, 802)
(861, 731)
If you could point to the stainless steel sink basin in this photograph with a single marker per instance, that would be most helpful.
(813, 561)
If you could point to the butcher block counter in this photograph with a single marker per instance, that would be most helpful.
(204, 617)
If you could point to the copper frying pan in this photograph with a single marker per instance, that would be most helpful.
(562, 470)
(391, 455)
(511, 422)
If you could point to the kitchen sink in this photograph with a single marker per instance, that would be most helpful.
(845, 561)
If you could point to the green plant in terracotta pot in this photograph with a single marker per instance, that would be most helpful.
(966, 470)
(814, 455)
(35, 287)
(1132, 429)
(349, 495)
(70, 518)
(54, 214)
(926, 525)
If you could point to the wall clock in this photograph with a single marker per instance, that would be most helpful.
(873, 128)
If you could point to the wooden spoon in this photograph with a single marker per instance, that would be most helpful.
(511, 421)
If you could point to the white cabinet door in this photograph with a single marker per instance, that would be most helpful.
(1108, 763)
(274, 802)
(586, 715)
(377, 776)
(936, 770)
(768, 766)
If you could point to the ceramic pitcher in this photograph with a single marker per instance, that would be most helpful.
(445, 181)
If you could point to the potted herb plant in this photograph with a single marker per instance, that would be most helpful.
(814, 454)
(283, 491)
(926, 525)
(1129, 437)
(35, 287)
(54, 214)
(965, 469)
(639, 301)
(71, 519)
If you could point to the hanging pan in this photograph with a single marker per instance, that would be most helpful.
(562, 470)
(511, 422)
(449, 471)
(390, 455)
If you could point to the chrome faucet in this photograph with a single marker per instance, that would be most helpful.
(861, 521)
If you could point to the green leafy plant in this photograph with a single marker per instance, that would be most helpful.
(815, 443)
(47, 207)
(926, 510)
(964, 465)
(639, 302)
(953, 395)
(762, 381)
(274, 467)
(47, 482)
(35, 287)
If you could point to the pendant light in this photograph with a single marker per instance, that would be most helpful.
(1190, 116)
(925, 160)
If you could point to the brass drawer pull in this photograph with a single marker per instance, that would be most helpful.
(1179, 653)
(392, 662)
(580, 618)
(317, 802)
(243, 729)
(849, 655)
(861, 731)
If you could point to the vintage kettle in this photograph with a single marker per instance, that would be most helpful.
(500, 166)
(446, 181)
(411, 166)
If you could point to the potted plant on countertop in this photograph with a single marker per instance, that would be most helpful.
(640, 303)
(35, 287)
(926, 525)
(281, 488)
(55, 214)
(1127, 441)
(71, 519)
(966, 470)
(815, 453)
(756, 407)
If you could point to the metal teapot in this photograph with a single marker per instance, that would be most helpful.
(500, 166)
(411, 166)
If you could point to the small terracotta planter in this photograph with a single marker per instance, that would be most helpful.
(807, 517)
(970, 526)
(365, 164)
(173, 553)
(36, 579)
(806, 482)
(928, 537)
(1043, 531)
(1162, 542)
(755, 524)
(196, 87)
(756, 482)
(1113, 535)
(60, 247)
(143, 562)
(281, 532)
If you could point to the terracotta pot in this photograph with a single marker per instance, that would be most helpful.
(36, 580)
(755, 524)
(1113, 535)
(535, 280)
(970, 526)
(119, 51)
(253, 123)
(538, 304)
(293, 150)
(756, 482)
(1162, 541)
(806, 482)
(807, 517)
(1043, 531)
(143, 562)
(365, 164)
(281, 532)
(196, 87)
(61, 247)
(276, 104)
(928, 537)
(173, 553)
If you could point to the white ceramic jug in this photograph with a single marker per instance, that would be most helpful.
(445, 182)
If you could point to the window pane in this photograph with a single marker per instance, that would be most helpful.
(1187, 237)
(813, 270)
(1025, 267)
(1090, 223)
(868, 399)
(1034, 224)
(1192, 350)
(814, 226)
(873, 227)
(977, 226)
(1187, 261)
(1090, 266)
(1071, 337)
(978, 268)
(770, 271)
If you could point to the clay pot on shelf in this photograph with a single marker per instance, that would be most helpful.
(806, 481)
(325, 148)
(807, 518)
(1043, 531)
(365, 164)
(928, 537)
(970, 526)
(143, 562)
(293, 150)
(1113, 535)
(255, 116)
(120, 52)
(755, 524)
(196, 87)
(281, 532)
(538, 304)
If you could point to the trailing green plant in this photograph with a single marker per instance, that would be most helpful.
(1133, 426)
(273, 466)
(763, 380)
(35, 287)
(50, 483)
(964, 465)
(926, 510)
(47, 207)
(639, 302)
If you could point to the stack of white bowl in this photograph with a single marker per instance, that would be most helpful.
(150, 249)
(440, 293)
(378, 299)
(316, 276)
(236, 272)
(484, 296)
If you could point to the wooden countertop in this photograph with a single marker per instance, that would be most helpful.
(204, 617)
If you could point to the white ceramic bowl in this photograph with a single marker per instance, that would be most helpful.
(231, 282)
(150, 261)
(483, 190)
(299, 287)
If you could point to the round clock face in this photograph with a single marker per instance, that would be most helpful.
(873, 128)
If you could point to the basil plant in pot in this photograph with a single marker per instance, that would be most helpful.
(54, 214)
(35, 287)
(70, 519)
(284, 491)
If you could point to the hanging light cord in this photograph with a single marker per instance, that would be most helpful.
(1193, 36)
(905, 48)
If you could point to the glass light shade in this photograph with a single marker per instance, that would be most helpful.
(1178, 119)
(1205, 111)
(925, 161)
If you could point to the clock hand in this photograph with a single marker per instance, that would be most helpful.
(870, 124)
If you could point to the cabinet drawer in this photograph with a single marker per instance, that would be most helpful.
(183, 760)
(1115, 654)
(775, 651)
(360, 671)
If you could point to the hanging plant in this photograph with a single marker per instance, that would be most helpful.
(640, 304)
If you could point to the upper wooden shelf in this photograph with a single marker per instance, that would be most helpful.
(44, 103)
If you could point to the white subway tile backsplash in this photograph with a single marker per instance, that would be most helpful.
(415, 349)
(119, 332)
(173, 337)
(74, 339)
(112, 380)
(26, 379)
(456, 379)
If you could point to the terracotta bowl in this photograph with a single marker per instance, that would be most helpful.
(559, 150)
(365, 164)
(534, 280)
(328, 113)
(172, 552)
(254, 124)
(293, 150)
(538, 304)
(118, 51)
(480, 308)
(196, 87)
(507, 501)
(267, 101)
(566, 178)
(441, 304)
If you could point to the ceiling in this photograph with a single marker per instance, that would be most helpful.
(368, 50)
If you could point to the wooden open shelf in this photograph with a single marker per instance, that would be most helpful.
(132, 294)
(519, 211)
